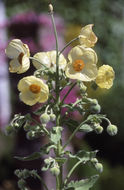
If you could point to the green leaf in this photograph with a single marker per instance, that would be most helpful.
(84, 184)
(33, 156)
(84, 155)
(36, 155)
(86, 128)
(56, 134)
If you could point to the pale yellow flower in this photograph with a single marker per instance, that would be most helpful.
(33, 90)
(82, 64)
(105, 76)
(19, 53)
(49, 60)
(87, 37)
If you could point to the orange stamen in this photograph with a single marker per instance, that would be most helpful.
(34, 88)
(20, 57)
(78, 65)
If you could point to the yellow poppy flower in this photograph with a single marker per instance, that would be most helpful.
(33, 90)
(82, 64)
(19, 53)
(87, 37)
(105, 76)
(49, 60)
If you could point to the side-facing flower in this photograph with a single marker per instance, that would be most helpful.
(105, 76)
(19, 53)
(48, 59)
(33, 90)
(82, 64)
(87, 37)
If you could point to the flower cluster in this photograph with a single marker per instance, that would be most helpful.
(81, 65)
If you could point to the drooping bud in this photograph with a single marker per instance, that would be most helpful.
(44, 118)
(94, 160)
(21, 183)
(99, 167)
(112, 130)
(95, 108)
(50, 8)
(99, 129)
(55, 170)
(83, 88)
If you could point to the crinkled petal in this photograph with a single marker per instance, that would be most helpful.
(43, 58)
(87, 38)
(14, 48)
(29, 98)
(105, 77)
(75, 53)
(89, 73)
(14, 66)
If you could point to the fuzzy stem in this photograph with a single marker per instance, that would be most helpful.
(74, 132)
(73, 85)
(71, 171)
(59, 177)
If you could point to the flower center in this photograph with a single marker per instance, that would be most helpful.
(78, 65)
(20, 57)
(34, 88)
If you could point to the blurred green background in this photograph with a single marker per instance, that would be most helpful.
(108, 19)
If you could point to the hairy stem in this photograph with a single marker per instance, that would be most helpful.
(71, 171)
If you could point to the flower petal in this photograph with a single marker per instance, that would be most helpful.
(43, 58)
(28, 98)
(14, 48)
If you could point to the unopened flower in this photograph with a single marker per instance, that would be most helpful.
(33, 90)
(82, 64)
(87, 37)
(105, 76)
(48, 59)
(19, 53)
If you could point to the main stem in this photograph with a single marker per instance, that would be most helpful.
(59, 178)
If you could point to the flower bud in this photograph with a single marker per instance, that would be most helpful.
(112, 130)
(52, 117)
(9, 130)
(99, 129)
(99, 167)
(94, 160)
(21, 183)
(16, 126)
(50, 8)
(55, 170)
(25, 173)
(31, 135)
(17, 172)
(26, 126)
(44, 118)
(95, 108)
(83, 88)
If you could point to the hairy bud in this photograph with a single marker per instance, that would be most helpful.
(99, 167)
(112, 130)
(44, 118)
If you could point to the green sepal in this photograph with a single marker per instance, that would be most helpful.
(55, 135)
(84, 184)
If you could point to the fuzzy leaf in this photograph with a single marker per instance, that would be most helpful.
(56, 134)
(33, 156)
(84, 184)
(84, 155)
(86, 128)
